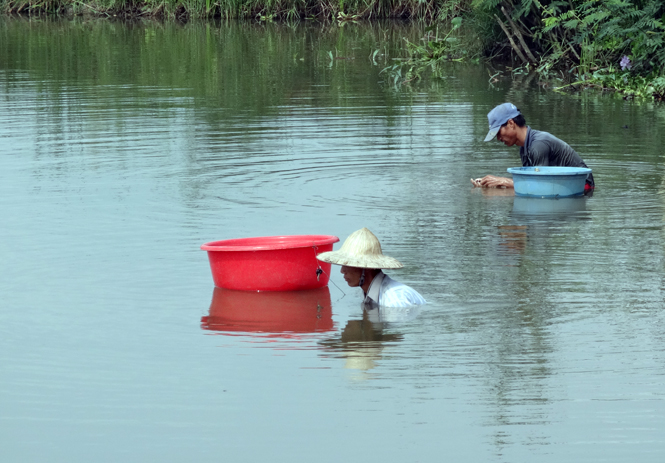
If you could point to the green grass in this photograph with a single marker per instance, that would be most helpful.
(265, 10)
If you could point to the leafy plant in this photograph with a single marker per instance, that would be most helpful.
(432, 50)
(588, 38)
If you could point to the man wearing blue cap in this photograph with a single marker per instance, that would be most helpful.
(536, 148)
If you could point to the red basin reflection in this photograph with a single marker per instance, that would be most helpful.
(282, 313)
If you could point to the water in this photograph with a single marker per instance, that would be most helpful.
(127, 146)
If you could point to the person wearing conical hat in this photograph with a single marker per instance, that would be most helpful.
(361, 259)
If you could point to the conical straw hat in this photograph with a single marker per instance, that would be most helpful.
(361, 249)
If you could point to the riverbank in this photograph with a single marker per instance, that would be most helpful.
(283, 10)
(604, 44)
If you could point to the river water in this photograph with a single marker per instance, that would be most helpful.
(127, 146)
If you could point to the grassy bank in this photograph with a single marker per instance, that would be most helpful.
(265, 10)
(615, 45)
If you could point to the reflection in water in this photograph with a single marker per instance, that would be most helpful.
(377, 314)
(513, 237)
(494, 191)
(544, 239)
(362, 341)
(526, 207)
(519, 367)
(538, 217)
(280, 313)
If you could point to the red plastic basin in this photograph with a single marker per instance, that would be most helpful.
(282, 314)
(270, 263)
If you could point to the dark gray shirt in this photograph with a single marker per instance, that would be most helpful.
(544, 149)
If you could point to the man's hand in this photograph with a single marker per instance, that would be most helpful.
(492, 181)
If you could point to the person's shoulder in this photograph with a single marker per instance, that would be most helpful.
(540, 136)
(538, 140)
(398, 294)
(542, 142)
(393, 286)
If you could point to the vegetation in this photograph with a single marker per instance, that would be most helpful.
(611, 44)
(264, 10)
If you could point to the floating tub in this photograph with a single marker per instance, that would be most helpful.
(549, 182)
(280, 313)
(270, 263)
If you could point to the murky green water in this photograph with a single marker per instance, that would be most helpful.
(124, 147)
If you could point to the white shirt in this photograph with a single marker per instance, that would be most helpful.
(386, 292)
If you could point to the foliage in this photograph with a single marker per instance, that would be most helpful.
(262, 10)
(587, 38)
(629, 84)
(434, 49)
(606, 30)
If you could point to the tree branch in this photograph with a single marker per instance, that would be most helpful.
(512, 42)
(519, 35)
(574, 52)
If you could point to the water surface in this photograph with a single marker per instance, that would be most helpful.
(127, 146)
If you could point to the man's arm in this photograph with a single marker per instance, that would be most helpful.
(492, 181)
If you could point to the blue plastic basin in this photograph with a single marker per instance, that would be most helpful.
(549, 182)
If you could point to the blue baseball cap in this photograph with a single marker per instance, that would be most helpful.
(499, 116)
